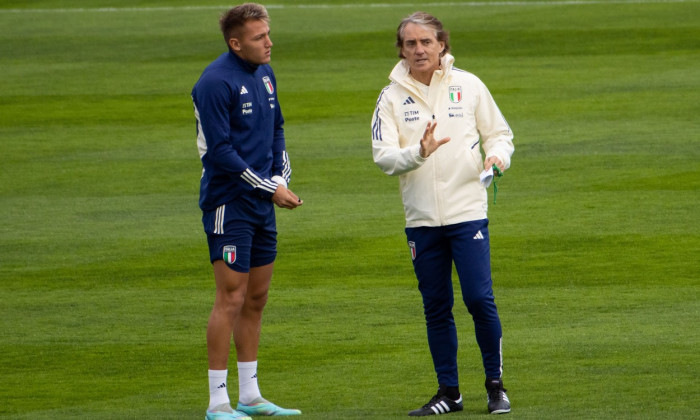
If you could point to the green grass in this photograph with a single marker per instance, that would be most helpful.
(105, 287)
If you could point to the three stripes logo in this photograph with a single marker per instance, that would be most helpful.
(441, 407)
(409, 101)
(479, 235)
(219, 220)
(243, 90)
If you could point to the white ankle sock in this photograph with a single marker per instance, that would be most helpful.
(218, 393)
(248, 390)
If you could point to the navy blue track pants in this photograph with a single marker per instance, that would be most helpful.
(433, 250)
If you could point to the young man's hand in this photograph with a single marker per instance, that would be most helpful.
(285, 198)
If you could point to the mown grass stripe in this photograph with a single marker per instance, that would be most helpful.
(344, 6)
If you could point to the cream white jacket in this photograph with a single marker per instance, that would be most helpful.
(443, 189)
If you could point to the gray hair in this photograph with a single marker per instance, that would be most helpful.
(425, 20)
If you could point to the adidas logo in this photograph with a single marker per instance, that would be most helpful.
(440, 408)
(223, 385)
(479, 235)
(244, 90)
(443, 407)
(409, 101)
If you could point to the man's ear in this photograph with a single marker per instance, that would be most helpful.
(234, 44)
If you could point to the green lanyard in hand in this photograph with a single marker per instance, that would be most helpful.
(497, 174)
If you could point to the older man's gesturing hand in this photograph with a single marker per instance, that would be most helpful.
(428, 144)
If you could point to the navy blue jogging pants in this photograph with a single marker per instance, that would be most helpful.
(433, 251)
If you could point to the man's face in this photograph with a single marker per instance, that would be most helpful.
(253, 44)
(421, 50)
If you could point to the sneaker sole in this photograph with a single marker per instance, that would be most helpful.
(500, 411)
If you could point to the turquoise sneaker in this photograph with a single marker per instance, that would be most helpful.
(225, 412)
(262, 407)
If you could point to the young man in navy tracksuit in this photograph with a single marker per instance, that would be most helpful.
(245, 173)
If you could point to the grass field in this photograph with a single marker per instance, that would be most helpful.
(105, 286)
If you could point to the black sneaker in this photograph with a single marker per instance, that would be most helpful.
(439, 404)
(498, 400)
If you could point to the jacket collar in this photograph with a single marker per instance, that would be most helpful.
(400, 74)
(242, 63)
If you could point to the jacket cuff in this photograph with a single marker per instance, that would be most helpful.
(503, 158)
(280, 181)
(416, 155)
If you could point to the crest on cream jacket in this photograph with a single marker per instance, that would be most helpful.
(444, 188)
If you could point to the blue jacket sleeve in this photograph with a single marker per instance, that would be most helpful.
(280, 164)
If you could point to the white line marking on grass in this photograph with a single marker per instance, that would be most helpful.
(346, 6)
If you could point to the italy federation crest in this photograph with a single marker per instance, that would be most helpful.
(455, 94)
(268, 85)
(230, 254)
(412, 247)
